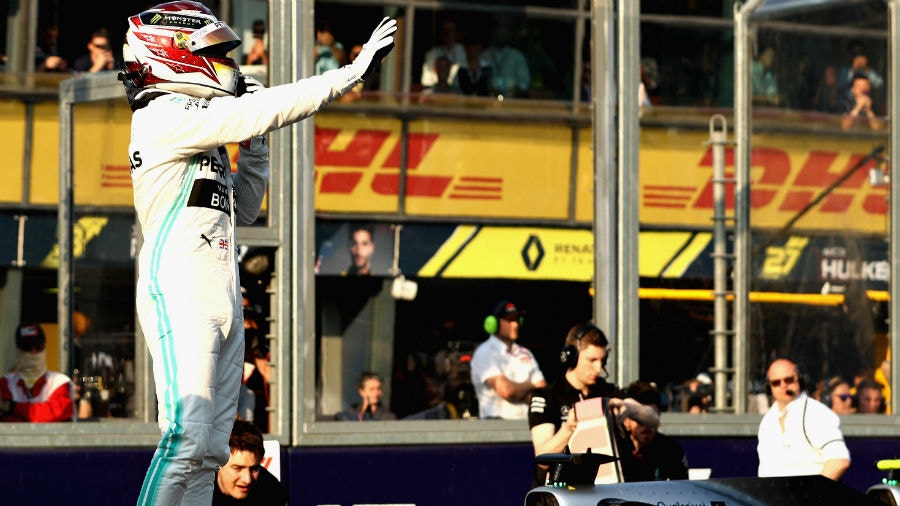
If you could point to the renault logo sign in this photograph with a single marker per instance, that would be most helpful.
(533, 252)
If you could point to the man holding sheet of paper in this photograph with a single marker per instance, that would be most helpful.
(552, 417)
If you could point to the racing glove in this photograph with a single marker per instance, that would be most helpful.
(247, 84)
(379, 45)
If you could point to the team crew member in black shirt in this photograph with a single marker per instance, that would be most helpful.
(584, 363)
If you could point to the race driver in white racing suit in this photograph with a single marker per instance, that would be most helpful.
(189, 100)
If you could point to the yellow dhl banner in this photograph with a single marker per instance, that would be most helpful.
(461, 169)
(788, 173)
(455, 168)
(458, 169)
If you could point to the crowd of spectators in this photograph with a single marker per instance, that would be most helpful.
(100, 55)
(515, 58)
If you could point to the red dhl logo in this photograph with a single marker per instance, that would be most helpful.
(358, 156)
(360, 153)
(813, 177)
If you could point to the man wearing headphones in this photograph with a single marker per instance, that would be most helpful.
(551, 417)
(503, 373)
(798, 435)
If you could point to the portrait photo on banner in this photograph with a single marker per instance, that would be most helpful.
(355, 249)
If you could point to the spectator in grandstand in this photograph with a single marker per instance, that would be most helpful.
(799, 90)
(31, 393)
(836, 395)
(449, 48)
(414, 388)
(46, 54)
(883, 377)
(649, 80)
(99, 56)
(859, 64)
(330, 54)
(357, 90)
(646, 454)
(586, 81)
(545, 77)
(697, 394)
(551, 417)
(828, 94)
(504, 373)
(869, 399)
(858, 106)
(510, 75)
(369, 386)
(258, 54)
(474, 76)
(361, 246)
(244, 480)
(765, 84)
(444, 85)
(84, 403)
(798, 435)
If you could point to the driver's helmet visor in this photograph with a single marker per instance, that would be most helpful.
(214, 39)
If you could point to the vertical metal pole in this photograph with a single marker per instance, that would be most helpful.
(629, 24)
(894, 210)
(718, 138)
(21, 37)
(64, 273)
(602, 79)
(742, 131)
(302, 165)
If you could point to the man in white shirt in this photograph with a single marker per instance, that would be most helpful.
(503, 373)
(449, 48)
(798, 435)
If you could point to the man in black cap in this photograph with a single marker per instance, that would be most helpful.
(503, 373)
(32, 393)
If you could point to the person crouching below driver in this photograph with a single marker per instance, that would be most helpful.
(550, 415)
(243, 480)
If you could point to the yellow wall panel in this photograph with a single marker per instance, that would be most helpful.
(12, 124)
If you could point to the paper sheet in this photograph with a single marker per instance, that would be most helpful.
(595, 432)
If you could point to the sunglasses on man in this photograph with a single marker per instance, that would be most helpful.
(787, 381)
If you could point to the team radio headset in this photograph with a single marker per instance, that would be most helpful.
(568, 357)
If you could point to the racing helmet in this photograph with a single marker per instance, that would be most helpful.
(180, 46)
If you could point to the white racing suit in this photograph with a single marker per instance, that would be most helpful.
(188, 292)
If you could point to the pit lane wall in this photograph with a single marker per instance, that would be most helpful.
(439, 475)
(460, 169)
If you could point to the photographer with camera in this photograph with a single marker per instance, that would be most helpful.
(696, 396)
(99, 57)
